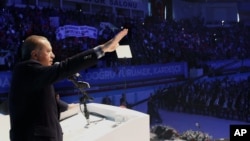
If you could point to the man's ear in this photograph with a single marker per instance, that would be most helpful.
(34, 54)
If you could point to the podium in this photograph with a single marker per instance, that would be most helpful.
(4, 127)
(107, 123)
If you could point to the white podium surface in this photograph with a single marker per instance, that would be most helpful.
(134, 125)
(4, 127)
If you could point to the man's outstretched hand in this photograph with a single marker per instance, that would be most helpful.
(112, 44)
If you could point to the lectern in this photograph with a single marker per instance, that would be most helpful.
(107, 123)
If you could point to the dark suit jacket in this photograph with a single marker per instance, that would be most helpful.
(32, 100)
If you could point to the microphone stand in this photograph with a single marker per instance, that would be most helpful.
(84, 101)
(84, 98)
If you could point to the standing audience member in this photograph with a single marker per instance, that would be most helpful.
(33, 102)
(124, 102)
(153, 111)
(107, 100)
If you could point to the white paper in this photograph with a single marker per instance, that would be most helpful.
(123, 51)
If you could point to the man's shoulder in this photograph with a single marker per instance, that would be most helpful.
(27, 63)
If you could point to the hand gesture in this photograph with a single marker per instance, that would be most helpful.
(112, 44)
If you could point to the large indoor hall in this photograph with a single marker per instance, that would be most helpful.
(124, 70)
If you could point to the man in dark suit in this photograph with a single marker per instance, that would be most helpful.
(33, 103)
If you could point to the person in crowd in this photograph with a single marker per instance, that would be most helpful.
(123, 101)
(107, 100)
(152, 110)
(33, 102)
(123, 104)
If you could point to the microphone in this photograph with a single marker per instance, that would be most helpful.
(82, 84)
(56, 63)
(72, 77)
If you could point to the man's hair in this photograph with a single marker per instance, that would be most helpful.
(30, 43)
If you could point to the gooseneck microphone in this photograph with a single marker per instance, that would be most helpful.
(74, 76)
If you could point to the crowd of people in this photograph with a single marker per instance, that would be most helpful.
(152, 40)
(223, 98)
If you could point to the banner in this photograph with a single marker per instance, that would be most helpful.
(130, 4)
(228, 64)
(104, 25)
(115, 75)
(130, 73)
(76, 31)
